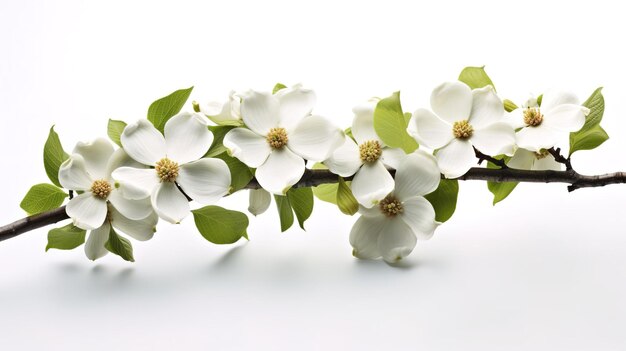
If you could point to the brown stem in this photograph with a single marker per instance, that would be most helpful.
(320, 176)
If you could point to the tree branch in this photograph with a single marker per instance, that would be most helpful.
(317, 177)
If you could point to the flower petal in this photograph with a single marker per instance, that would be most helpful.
(346, 160)
(522, 159)
(417, 175)
(206, 180)
(295, 103)
(227, 113)
(249, 147)
(94, 246)
(396, 240)
(371, 183)
(566, 118)
(259, 201)
(456, 158)
(487, 108)
(169, 203)
(187, 137)
(452, 101)
(282, 169)
(429, 130)
(363, 123)
(392, 157)
(494, 139)
(554, 97)
(315, 138)
(537, 138)
(121, 159)
(135, 183)
(419, 215)
(133, 209)
(96, 155)
(260, 111)
(73, 174)
(143, 142)
(87, 211)
(141, 230)
(546, 163)
(364, 237)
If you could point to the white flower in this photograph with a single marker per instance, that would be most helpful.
(392, 228)
(462, 119)
(259, 201)
(88, 170)
(280, 134)
(543, 127)
(535, 161)
(367, 157)
(227, 113)
(177, 161)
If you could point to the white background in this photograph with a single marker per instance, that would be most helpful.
(544, 270)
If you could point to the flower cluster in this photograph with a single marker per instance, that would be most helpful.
(275, 136)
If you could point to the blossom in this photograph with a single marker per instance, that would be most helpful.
(536, 161)
(101, 204)
(542, 127)
(392, 228)
(227, 113)
(280, 133)
(366, 158)
(177, 159)
(463, 119)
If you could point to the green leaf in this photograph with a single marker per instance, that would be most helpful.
(119, 246)
(475, 77)
(53, 156)
(509, 105)
(301, 200)
(164, 108)
(345, 199)
(115, 129)
(65, 238)
(326, 192)
(277, 87)
(217, 147)
(539, 99)
(240, 174)
(390, 124)
(444, 199)
(42, 197)
(284, 212)
(500, 190)
(591, 135)
(219, 225)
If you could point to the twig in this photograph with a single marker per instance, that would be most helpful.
(482, 157)
(556, 153)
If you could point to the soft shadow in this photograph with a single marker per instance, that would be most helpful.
(229, 256)
(125, 273)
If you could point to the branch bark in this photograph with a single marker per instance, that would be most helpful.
(319, 176)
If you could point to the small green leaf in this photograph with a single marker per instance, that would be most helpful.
(539, 99)
(115, 129)
(501, 190)
(65, 238)
(119, 246)
(240, 174)
(475, 77)
(284, 212)
(301, 200)
(345, 199)
(217, 147)
(219, 225)
(390, 124)
(444, 199)
(277, 87)
(41, 198)
(591, 135)
(509, 105)
(164, 108)
(53, 156)
(326, 192)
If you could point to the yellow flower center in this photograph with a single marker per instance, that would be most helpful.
(370, 151)
(532, 117)
(462, 129)
(543, 153)
(167, 170)
(277, 138)
(390, 206)
(101, 188)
